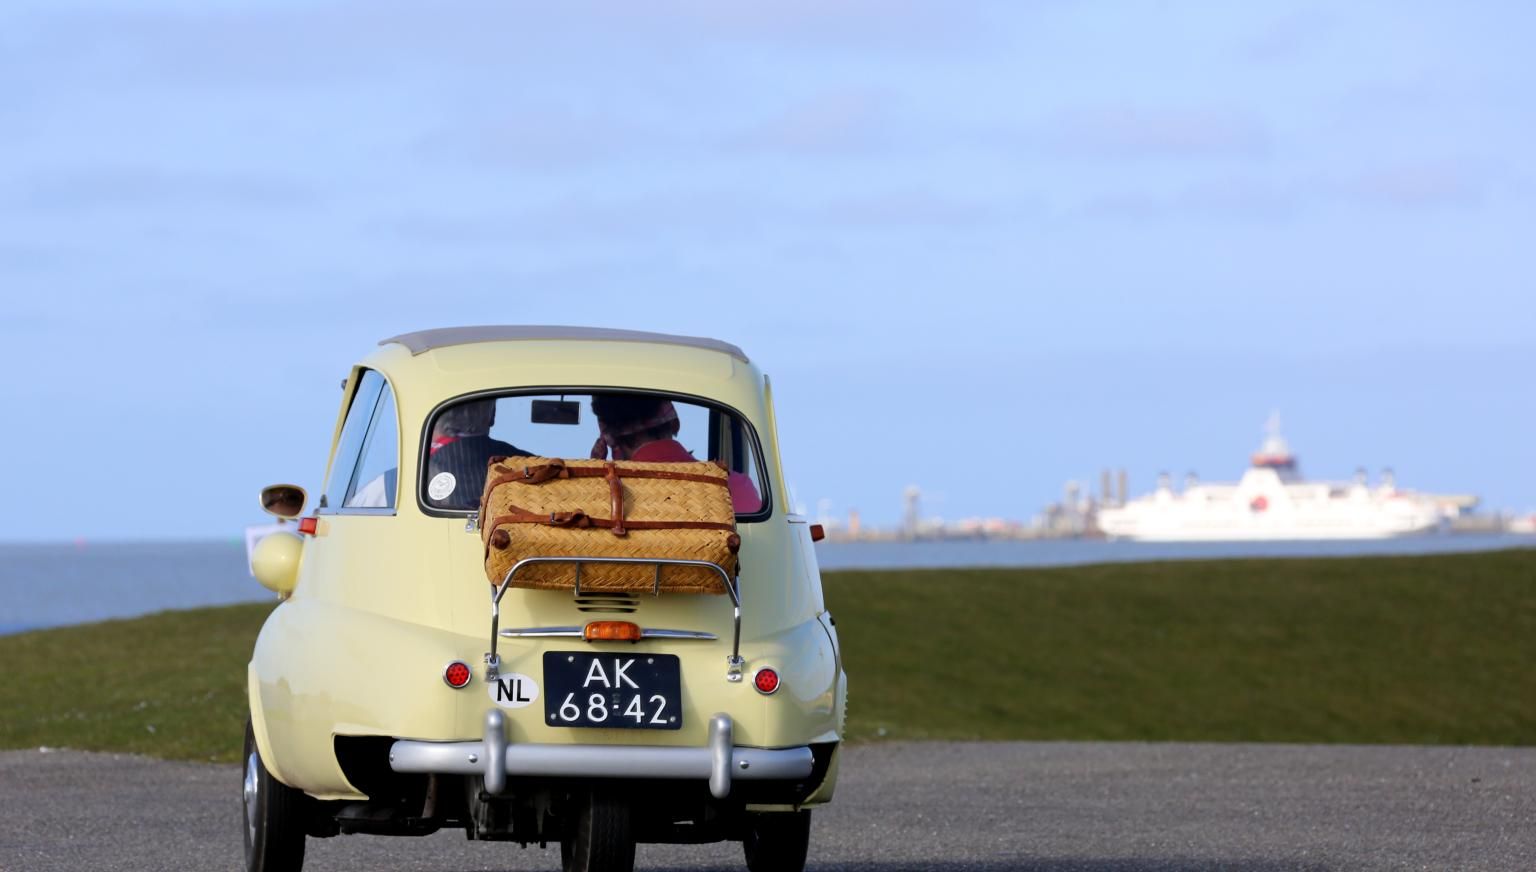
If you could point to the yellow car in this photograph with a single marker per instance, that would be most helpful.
(395, 691)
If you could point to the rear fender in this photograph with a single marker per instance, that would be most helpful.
(321, 670)
(804, 708)
(259, 728)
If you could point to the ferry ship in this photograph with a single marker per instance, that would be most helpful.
(1273, 502)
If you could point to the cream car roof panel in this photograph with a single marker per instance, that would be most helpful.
(422, 341)
(421, 381)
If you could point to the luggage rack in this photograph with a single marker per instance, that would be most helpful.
(733, 663)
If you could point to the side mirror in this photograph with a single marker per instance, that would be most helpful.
(283, 500)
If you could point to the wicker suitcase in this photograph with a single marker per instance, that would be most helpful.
(544, 507)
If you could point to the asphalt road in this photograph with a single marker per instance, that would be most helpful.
(945, 807)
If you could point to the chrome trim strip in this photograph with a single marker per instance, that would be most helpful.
(356, 510)
(542, 633)
(580, 632)
(720, 763)
(649, 633)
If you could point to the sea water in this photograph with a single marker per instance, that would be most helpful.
(47, 585)
(1076, 552)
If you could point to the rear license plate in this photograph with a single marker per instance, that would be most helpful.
(634, 691)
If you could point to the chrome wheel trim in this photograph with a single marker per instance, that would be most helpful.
(252, 794)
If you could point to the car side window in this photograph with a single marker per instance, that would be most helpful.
(374, 485)
(354, 430)
(731, 445)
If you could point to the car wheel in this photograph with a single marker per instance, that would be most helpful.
(777, 842)
(601, 840)
(274, 817)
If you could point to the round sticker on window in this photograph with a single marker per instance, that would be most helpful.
(441, 486)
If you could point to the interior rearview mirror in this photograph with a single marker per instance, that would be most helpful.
(283, 500)
(556, 412)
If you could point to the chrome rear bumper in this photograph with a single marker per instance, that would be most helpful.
(720, 762)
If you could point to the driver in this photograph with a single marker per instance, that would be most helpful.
(461, 449)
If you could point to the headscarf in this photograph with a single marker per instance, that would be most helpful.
(612, 435)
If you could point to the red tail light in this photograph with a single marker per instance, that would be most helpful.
(456, 674)
(766, 681)
(309, 525)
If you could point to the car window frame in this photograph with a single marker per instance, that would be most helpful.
(764, 487)
(374, 423)
(362, 451)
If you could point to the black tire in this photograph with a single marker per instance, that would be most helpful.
(274, 816)
(777, 842)
(601, 840)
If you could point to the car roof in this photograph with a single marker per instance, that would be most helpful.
(423, 341)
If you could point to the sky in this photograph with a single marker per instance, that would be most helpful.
(981, 248)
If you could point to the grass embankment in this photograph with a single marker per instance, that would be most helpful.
(1434, 650)
(1437, 650)
(170, 684)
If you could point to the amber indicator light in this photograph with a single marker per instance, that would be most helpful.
(611, 631)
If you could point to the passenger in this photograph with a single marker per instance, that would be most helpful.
(645, 429)
(461, 449)
(378, 493)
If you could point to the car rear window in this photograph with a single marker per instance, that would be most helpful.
(616, 425)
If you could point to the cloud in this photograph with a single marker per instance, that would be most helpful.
(842, 123)
(1430, 184)
(1145, 132)
(1420, 185)
(135, 187)
(1239, 196)
(1128, 205)
(905, 26)
(18, 258)
(182, 49)
(194, 47)
(635, 220)
(542, 138)
(1291, 36)
(678, 220)
(1224, 197)
(923, 209)
(832, 124)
